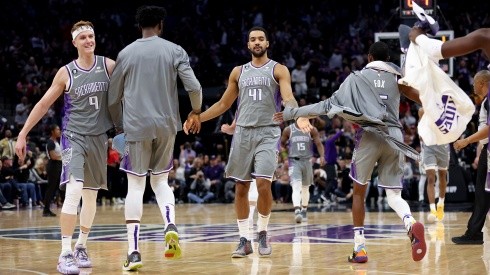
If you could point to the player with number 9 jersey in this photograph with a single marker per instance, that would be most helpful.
(85, 100)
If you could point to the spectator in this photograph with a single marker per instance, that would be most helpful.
(199, 190)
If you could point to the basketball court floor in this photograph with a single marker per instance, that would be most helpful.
(30, 243)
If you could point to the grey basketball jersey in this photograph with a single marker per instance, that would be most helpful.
(85, 107)
(300, 144)
(387, 86)
(259, 97)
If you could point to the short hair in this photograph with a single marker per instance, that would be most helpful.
(380, 51)
(256, 28)
(52, 127)
(483, 74)
(81, 23)
(150, 16)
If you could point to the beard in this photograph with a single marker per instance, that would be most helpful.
(259, 53)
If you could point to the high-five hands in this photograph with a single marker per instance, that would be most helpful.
(192, 124)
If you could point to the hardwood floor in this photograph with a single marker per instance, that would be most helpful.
(29, 243)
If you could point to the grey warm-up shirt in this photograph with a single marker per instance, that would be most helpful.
(369, 97)
(145, 79)
(85, 101)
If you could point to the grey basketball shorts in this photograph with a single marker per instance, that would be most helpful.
(84, 157)
(436, 157)
(154, 155)
(300, 170)
(254, 153)
(371, 149)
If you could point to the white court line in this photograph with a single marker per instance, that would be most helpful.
(23, 270)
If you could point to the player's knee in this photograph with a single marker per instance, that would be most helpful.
(72, 197)
(392, 195)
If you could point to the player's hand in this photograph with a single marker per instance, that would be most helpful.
(460, 144)
(304, 124)
(192, 124)
(20, 148)
(278, 117)
(414, 32)
(322, 161)
(227, 129)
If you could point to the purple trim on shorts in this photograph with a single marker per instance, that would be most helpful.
(262, 176)
(353, 165)
(133, 173)
(354, 179)
(390, 187)
(66, 111)
(278, 99)
(65, 168)
(238, 179)
(170, 166)
(126, 164)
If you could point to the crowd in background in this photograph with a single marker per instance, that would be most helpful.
(321, 42)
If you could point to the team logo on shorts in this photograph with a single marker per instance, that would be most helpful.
(66, 155)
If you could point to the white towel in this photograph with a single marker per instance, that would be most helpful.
(447, 108)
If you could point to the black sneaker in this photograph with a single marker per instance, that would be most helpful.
(48, 213)
(133, 262)
(467, 239)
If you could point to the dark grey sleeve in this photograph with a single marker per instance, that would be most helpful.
(186, 74)
(115, 95)
(312, 110)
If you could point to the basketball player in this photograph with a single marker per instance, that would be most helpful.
(54, 167)
(145, 79)
(84, 83)
(259, 86)
(473, 234)
(436, 157)
(252, 191)
(385, 91)
(300, 151)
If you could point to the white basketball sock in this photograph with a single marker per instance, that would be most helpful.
(296, 196)
(251, 217)
(165, 197)
(243, 229)
(359, 237)
(262, 222)
(82, 238)
(133, 237)
(65, 244)
(305, 195)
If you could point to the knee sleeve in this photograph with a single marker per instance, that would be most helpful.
(395, 201)
(89, 207)
(72, 196)
(133, 206)
(163, 192)
(253, 194)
